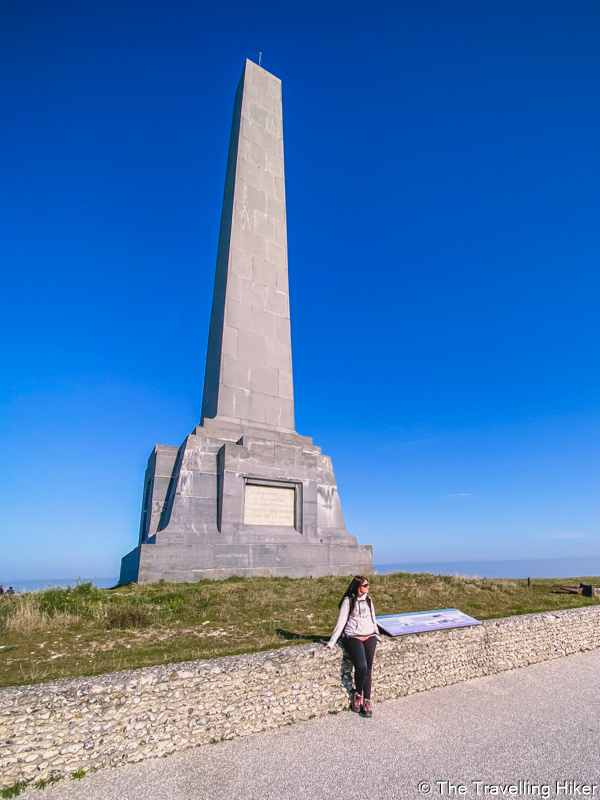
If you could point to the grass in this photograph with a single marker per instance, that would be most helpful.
(45, 782)
(83, 630)
(14, 790)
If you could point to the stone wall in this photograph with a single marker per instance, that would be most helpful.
(79, 723)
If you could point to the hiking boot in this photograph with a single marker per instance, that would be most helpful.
(366, 709)
(357, 702)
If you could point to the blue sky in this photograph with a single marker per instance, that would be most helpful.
(443, 187)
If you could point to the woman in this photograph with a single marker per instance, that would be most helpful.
(358, 628)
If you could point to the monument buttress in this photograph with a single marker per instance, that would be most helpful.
(245, 494)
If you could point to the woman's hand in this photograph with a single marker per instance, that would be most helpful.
(327, 646)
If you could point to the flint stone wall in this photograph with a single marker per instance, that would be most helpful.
(79, 723)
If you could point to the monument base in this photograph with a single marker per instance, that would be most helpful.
(240, 499)
(149, 563)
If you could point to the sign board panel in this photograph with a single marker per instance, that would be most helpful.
(397, 624)
(269, 505)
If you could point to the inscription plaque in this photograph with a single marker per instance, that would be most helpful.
(269, 505)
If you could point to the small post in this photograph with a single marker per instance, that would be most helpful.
(259, 58)
(528, 581)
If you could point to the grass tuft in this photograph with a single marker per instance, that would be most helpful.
(44, 782)
(14, 790)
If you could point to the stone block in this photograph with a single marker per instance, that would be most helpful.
(279, 412)
(185, 483)
(266, 101)
(251, 348)
(227, 401)
(263, 555)
(274, 164)
(283, 331)
(276, 254)
(278, 355)
(268, 141)
(265, 225)
(239, 316)
(235, 372)
(275, 207)
(265, 380)
(342, 554)
(242, 209)
(274, 126)
(303, 555)
(237, 556)
(277, 303)
(259, 448)
(258, 77)
(252, 405)
(264, 323)
(265, 273)
(251, 131)
(251, 95)
(189, 510)
(329, 508)
(249, 173)
(253, 153)
(287, 452)
(309, 491)
(240, 263)
(291, 572)
(205, 485)
(274, 87)
(253, 242)
(279, 187)
(256, 199)
(258, 115)
(160, 486)
(286, 385)
(164, 460)
(281, 238)
(266, 182)
(230, 342)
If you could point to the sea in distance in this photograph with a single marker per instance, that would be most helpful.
(48, 583)
(532, 568)
(526, 568)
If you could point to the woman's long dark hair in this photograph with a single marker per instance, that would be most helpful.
(352, 591)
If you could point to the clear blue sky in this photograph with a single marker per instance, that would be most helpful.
(443, 182)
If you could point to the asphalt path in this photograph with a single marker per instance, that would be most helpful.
(528, 729)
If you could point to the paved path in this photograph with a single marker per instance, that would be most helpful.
(537, 725)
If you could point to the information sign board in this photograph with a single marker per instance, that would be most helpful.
(397, 624)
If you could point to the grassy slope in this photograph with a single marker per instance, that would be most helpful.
(86, 631)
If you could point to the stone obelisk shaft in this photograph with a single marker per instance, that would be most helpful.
(245, 494)
(249, 360)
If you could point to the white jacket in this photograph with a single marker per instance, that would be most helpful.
(361, 621)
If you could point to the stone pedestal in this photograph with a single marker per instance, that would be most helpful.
(238, 500)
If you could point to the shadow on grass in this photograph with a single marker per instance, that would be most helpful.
(305, 637)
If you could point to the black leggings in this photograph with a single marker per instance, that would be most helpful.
(361, 654)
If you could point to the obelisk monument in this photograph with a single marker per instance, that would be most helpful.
(245, 494)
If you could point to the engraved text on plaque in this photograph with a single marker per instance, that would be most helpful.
(269, 505)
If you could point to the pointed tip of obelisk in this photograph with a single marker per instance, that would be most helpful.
(251, 65)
